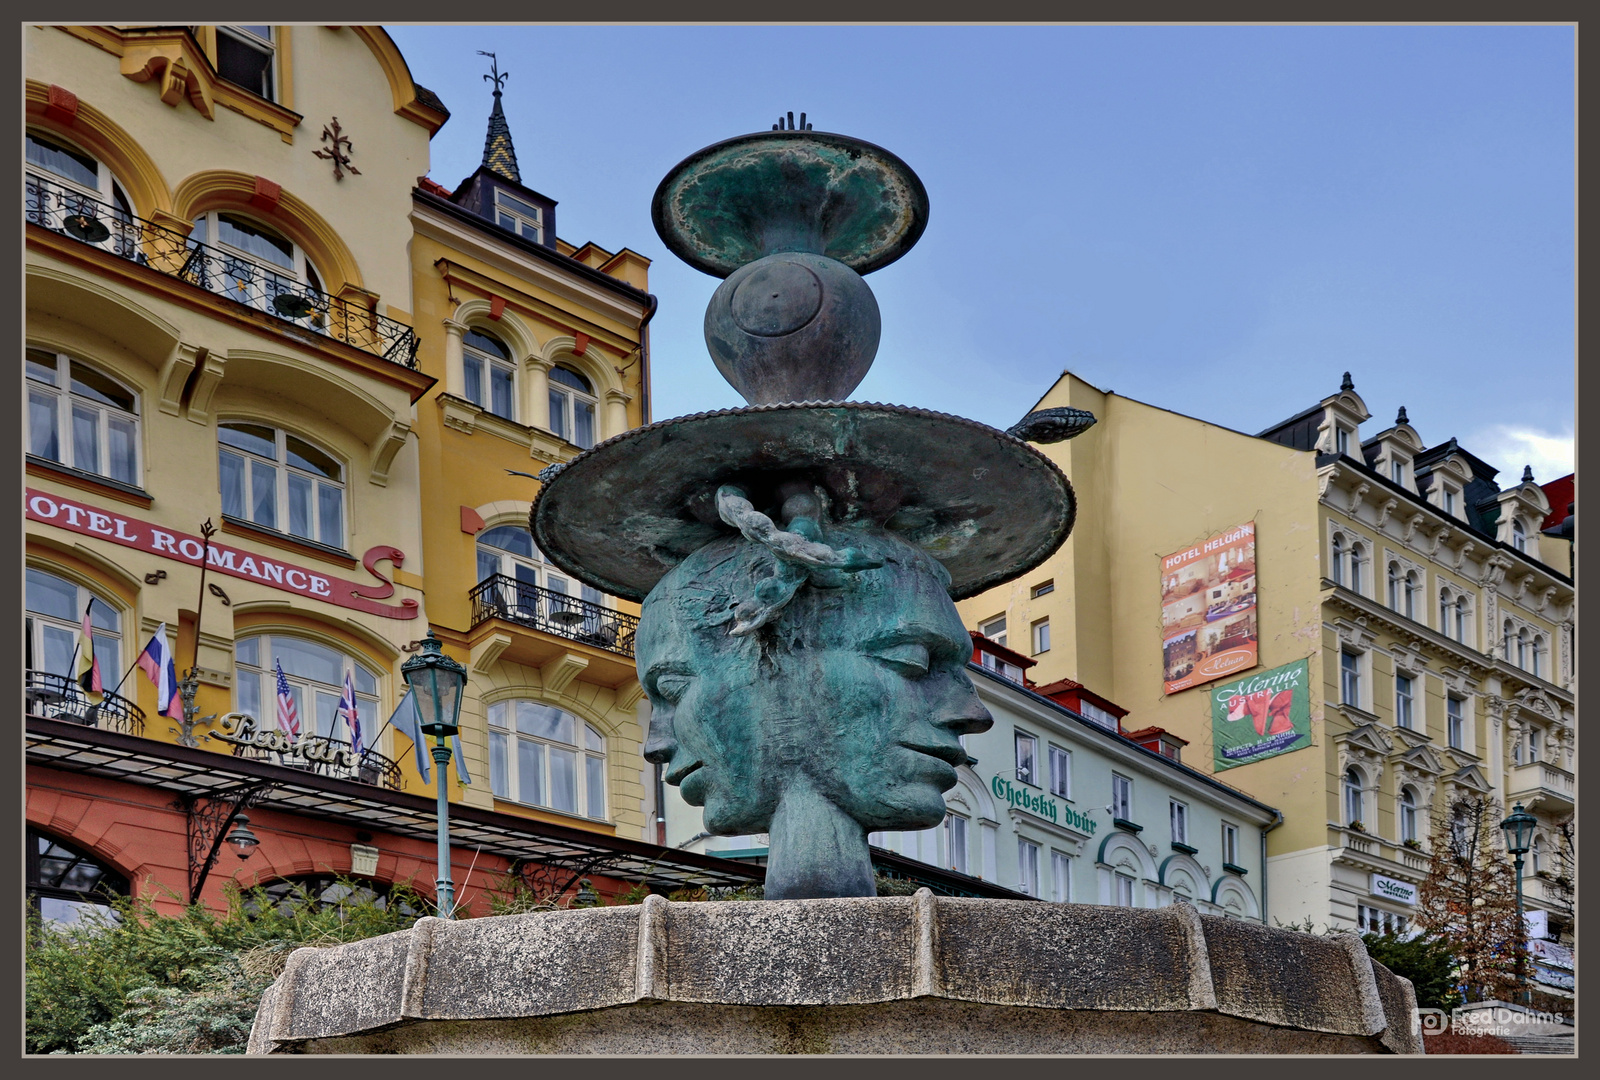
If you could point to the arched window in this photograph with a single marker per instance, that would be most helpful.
(65, 884)
(1519, 536)
(1445, 610)
(509, 550)
(55, 608)
(543, 756)
(315, 675)
(489, 372)
(279, 481)
(572, 404)
(1352, 796)
(1358, 556)
(1411, 594)
(81, 417)
(256, 265)
(1394, 586)
(74, 192)
(1522, 648)
(1461, 618)
(1540, 863)
(328, 891)
(1408, 814)
(1338, 559)
(1537, 656)
(1505, 641)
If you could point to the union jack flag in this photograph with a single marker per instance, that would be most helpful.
(288, 714)
(347, 706)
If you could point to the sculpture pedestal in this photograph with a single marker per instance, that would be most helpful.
(902, 975)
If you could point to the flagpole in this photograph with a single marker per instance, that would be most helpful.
(189, 685)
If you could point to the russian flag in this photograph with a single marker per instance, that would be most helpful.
(159, 667)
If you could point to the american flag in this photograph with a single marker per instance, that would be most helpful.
(288, 715)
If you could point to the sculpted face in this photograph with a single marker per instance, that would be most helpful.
(857, 689)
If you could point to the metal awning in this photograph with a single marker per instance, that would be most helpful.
(202, 773)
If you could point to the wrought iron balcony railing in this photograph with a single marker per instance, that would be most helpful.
(323, 757)
(504, 597)
(256, 285)
(56, 697)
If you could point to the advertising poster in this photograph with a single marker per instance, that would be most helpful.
(1261, 716)
(1208, 609)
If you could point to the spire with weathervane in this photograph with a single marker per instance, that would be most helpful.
(499, 155)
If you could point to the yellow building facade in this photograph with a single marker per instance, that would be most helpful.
(1436, 622)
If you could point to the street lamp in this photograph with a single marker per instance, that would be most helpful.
(1518, 827)
(437, 681)
(243, 841)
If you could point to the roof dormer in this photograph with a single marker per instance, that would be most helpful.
(1523, 510)
(1392, 454)
(1342, 417)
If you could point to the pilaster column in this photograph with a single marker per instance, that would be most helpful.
(537, 381)
(455, 379)
(616, 413)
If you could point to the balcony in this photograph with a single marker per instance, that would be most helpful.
(251, 284)
(504, 597)
(56, 697)
(328, 757)
(1550, 785)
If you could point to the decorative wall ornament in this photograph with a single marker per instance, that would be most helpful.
(1466, 549)
(1357, 496)
(1386, 509)
(1412, 525)
(1355, 635)
(338, 151)
(1326, 479)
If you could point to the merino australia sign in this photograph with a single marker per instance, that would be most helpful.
(1260, 716)
(78, 517)
(1390, 889)
(1040, 805)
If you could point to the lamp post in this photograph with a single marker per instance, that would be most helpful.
(1518, 827)
(437, 681)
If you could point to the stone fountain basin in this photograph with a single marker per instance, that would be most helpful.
(921, 974)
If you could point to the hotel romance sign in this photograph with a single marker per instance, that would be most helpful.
(1208, 609)
(1261, 716)
(1040, 805)
(78, 517)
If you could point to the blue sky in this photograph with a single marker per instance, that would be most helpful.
(1216, 220)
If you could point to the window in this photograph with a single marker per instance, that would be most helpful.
(279, 481)
(1028, 867)
(955, 841)
(327, 892)
(535, 758)
(1230, 844)
(1461, 839)
(1519, 536)
(1371, 920)
(1533, 744)
(65, 884)
(1461, 619)
(1338, 558)
(488, 372)
(571, 406)
(315, 673)
(1041, 636)
(1002, 668)
(1060, 772)
(1061, 877)
(1411, 594)
(994, 630)
(1352, 797)
(1505, 641)
(244, 58)
(1449, 501)
(1522, 648)
(1122, 895)
(257, 266)
(509, 550)
(1403, 700)
(1394, 586)
(1536, 655)
(63, 181)
(1121, 798)
(1397, 470)
(1179, 813)
(1538, 856)
(1408, 815)
(518, 216)
(1096, 715)
(1350, 678)
(1358, 556)
(1453, 723)
(1027, 753)
(81, 418)
(1445, 609)
(1341, 441)
(1044, 588)
(55, 609)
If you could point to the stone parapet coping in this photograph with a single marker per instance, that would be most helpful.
(840, 953)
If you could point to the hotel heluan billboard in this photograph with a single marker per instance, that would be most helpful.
(1208, 609)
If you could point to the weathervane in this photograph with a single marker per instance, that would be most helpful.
(496, 76)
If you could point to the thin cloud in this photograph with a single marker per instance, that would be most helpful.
(1509, 448)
